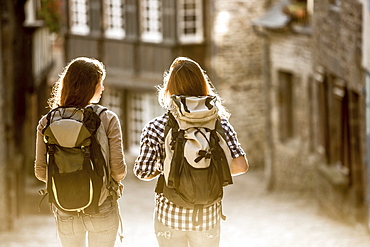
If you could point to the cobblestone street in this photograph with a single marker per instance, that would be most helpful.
(255, 218)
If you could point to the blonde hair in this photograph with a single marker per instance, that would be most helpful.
(77, 83)
(186, 77)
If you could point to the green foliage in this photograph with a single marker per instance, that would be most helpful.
(50, 13)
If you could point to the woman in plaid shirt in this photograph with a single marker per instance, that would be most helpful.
(173, 224)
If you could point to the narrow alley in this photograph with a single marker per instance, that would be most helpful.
(255, 218)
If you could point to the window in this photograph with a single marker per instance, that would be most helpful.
(190, 21)
(336, 2)
(353, 153)
(113, 100)
(310, 7)
(334, 122)
(142, 108)
(114, 19)
(285, 102)
(79, 17)
(299, 11)
(151, 21)
(31, 10)
(135, 110)
(311, 117)
(339, 126)
(368, 118)
(323, 118)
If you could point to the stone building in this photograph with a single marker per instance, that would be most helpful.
(236, 60)
(137, 41)
(366, 68)
(25, 61)
(286, 31)
(139, 44)
(141, 39)
(289, 71)
(340, 111)
(315, 109)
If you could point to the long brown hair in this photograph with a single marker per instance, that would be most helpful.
(186, 77)
(77, 83)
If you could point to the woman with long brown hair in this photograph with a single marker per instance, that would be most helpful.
(174, 224)
(79, 85)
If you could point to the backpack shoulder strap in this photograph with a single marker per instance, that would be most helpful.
(92, 117)
(171, 123)
(100, 139)
(98, 109)
(219, 129)
(220, 156)
(49, 116)
(160, 184)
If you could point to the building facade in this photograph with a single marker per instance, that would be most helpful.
(236, 59)
(366, 68)
(315, 85)
(340, 87)
(290, 73)
(286, 30)
(26, 59)
(137, 41)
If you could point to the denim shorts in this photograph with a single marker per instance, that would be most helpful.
(98, 230)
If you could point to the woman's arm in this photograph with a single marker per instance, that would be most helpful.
(148, 164)
(152, 176)
(239, 164)
(145, 167)
(117, 159)
(40, 158)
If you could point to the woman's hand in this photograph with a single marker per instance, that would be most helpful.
(153, 175)
(239, 165)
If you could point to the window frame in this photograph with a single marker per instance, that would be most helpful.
(79, 17)
(151, 21)
(197, 23)
(114, 19)
(31, 11)
(339, 122)
(336, 3)
(285, 105)
(142, 107)
(335, 116)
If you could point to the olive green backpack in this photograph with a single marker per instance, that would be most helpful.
(77, 169)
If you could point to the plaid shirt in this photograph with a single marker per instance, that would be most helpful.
(151, 158)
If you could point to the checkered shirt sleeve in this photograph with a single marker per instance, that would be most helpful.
(151, 158)
(151, 148)
(232, 139)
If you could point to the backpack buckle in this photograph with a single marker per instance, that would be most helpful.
(51, 149)
(86, 151)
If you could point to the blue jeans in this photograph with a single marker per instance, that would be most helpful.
(168, 237)
(101, 229)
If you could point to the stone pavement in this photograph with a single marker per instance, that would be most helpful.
(255, 218)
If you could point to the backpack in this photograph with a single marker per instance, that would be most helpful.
(78, 173)
(197, 158)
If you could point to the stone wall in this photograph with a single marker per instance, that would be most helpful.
(338, 40)
(338, 54)
(237, 65)
(294, 162)
(3, 194)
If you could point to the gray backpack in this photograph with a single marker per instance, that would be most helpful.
(197, 158)
(77, 169)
